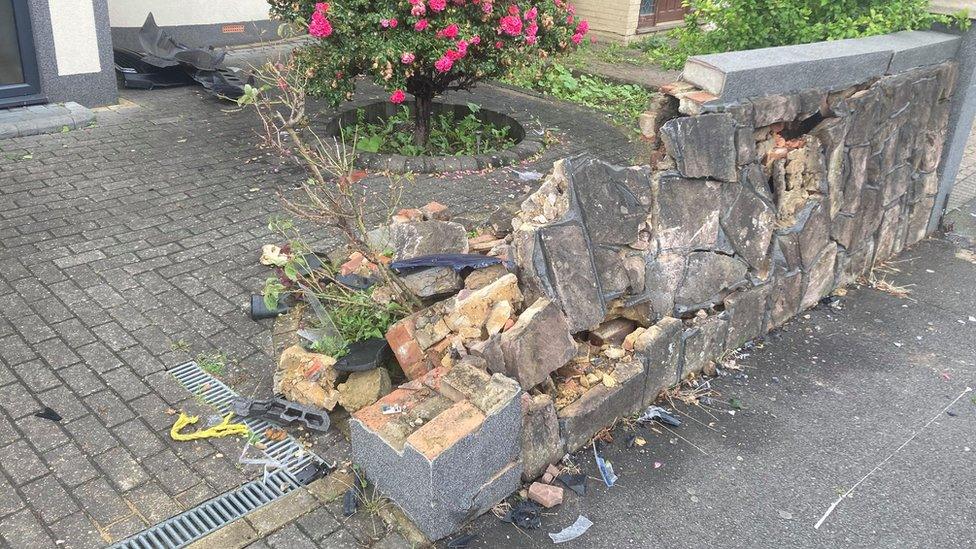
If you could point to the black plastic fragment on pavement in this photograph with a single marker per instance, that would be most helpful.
(458, 262)
(355, 281)
(350, 502)
(137, 74)
(576, 483)
(259, 311)
(48, 413)
(365, 355)
(527, 514)
(281, 411)
(312, 472)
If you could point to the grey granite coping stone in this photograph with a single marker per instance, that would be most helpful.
(829, 65)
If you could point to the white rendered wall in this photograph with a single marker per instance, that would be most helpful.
(168, 13)
(75, 39)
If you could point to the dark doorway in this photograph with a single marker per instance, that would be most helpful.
(656, 12)
(19, 81)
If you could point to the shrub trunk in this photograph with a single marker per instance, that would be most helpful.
(423, 110)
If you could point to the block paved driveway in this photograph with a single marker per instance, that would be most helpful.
(132, 247)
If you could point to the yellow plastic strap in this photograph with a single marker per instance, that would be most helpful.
(222, 429)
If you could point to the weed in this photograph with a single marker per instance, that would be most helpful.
(214, 363)
(181, 346)
(449, 135)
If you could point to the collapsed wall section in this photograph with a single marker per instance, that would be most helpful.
(626, 280)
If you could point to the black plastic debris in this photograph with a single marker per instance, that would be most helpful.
(576, 483)
(162, 55)
(355, 281)
(259, 311)
(458, 262)
(462, 542)
(312, 472)
(309, 264)
(659, 414)
(365, 355)
(350, 502)
(281, 411)
(527, 514)
(48, 413)
(136, 73)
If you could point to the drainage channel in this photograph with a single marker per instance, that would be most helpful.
(211, 515)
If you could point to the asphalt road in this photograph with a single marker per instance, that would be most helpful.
(824, 401)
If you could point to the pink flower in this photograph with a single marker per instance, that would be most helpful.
(420, 25)
(397, 97)
(531, 14)
(453, 55)
(475, 40)
(322, 7)
(511, 25)
(583, 26)
(443, 64)
(320, 27)
(407, 58)
(418, 10)
(394, 23)
(499, 44)
(384, 23)
(450, 31)
(577, 38)
(513, 10)
(438, 5)
(571, 9)
(462, 47)
(487, 7)
(530, 31)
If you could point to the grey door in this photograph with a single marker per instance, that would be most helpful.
(19, 81)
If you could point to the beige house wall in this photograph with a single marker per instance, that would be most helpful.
(614, 20)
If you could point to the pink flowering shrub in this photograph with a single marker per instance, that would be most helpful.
(424, 47)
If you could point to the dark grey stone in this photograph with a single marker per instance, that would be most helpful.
(747, 315)
(601, 405)
(427, 237)
(771, 109)
(687, 213)
(574, 279)
(708, 278)
(703, 146)
(703, 343)
(659, 348)
(748, 222)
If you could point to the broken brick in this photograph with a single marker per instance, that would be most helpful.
(546, 495)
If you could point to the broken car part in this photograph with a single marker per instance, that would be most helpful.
(573, 531)
(458, 262)
(312, 472)
(204, 66)
(365, 355)
(259, 311)
(281, 411)
(605, 467)
(350, 502)
(140, 75)
(576, 483)
(660, 414)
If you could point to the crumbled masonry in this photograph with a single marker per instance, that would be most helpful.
(625, 280)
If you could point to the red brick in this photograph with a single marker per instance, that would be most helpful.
(436, 210)
(545, 495)
(406, 349)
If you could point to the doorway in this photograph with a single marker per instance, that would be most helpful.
(19, 80)
(657, 12)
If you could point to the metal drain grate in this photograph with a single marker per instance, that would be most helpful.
(213, 514)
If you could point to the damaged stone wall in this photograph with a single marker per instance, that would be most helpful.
(628, 279)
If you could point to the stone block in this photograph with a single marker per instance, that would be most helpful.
(747, 315)
(820, 277)
(687, 213)
(813, 232)
(612, 201)
(748, 222)
(661, 280)
(472, 311)
(703, 343)
(784, 298)
(888, 233)
(918, 220)
(703, 146)
(490, 350)
(709, 277)
(306, 378)
(659, 349)
(601, 405)
(363, 388)
(458, 464)
(433, 281)
(541, 443)
(771, 109)
(538, 344)
(420, 238)
(612, 332)
(572, 274)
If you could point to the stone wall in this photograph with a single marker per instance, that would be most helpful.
(626, 280)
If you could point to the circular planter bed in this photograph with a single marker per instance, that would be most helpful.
(524, 146)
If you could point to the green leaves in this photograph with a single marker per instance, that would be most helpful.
(713, 26)
(449, 135)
